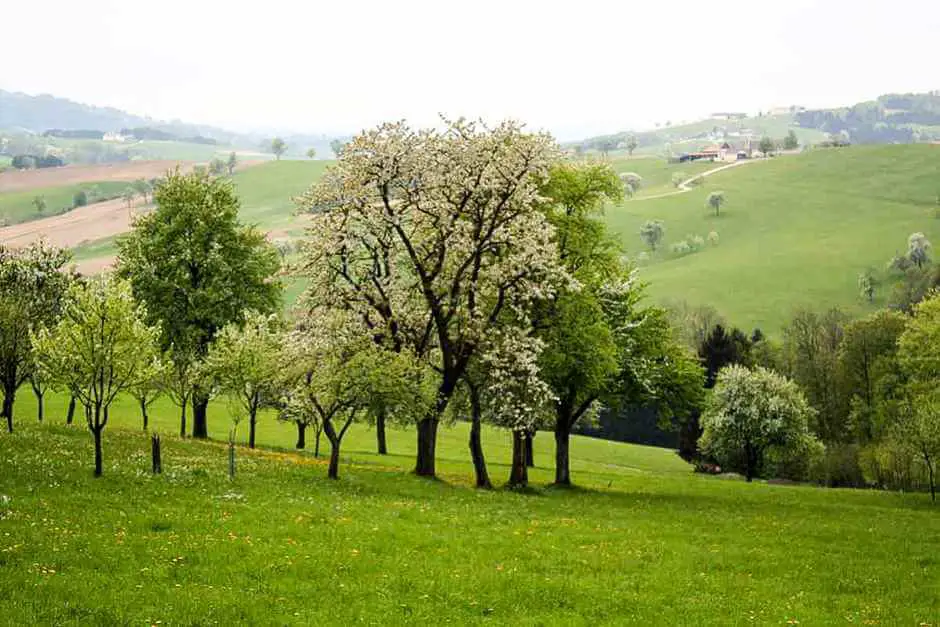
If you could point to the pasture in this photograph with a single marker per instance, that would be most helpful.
(642, 540)
(795, 231)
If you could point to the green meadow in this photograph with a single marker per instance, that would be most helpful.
(642, 540)
(16, 207)
(795, 231)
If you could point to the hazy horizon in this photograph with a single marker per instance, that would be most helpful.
(339, 68)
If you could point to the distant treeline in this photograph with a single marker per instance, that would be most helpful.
(892, 118)
(140, 133)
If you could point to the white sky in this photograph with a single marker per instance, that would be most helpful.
(574, 67)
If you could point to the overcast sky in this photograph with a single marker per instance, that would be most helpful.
(575, 67)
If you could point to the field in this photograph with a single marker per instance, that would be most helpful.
(643, 541)
(796, 231)
(30, 180)
(17, 207)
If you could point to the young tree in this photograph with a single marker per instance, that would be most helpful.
(766, 146)
(197, 269)
(311, 153)
(278, 147)
(147, 390)
(918, 249)
(231, 163)
(790, 142)
(631, 144)
(337, 147)
(677, 179)
(143, 189)
(217, 167)
(750, 412)
(631, 183)
(919, 428)
(714, 201)
(179, 380)
(867, 284)
(652, 233)
(244, 362)
(33, 284)
(440, 237)
(100, 347)
(39, 202)
(128, 196)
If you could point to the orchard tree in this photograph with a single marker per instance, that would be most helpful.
(39, 202)
(631, 144)
(918, 249)
(919, 429)
(128, 196)
(311, 153)
(244, 362)
(143, 189)
(752, 411)
(33, 286)
(197, 269)
(867, 284)
(231, 163)
(100, 347)
(714, 201)
(631, 183)
(652, 233)
(337, 147)
(278, 147)
(429, 238)
(149, 389)
(217, 167)
(790, 142)
(766, 146)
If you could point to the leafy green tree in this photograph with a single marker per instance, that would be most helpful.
(79, 199)
(677, 179)
(197, 269)
(278, 147)
(811, 347)
(142, 188)
(790, 142)
(33, 284)
(766, 146)
(100, 347)
(631, 183)
(867, 283)
(231, 163)
(149, 389)
(444, 229)
(39, 202)
(337, 147)
(919, 428)
(867, 359)
(311, 153)
(714, 201)
(918, 249)
(631, 144)
(128, 196)
(750, 412)
(217, 167)
(244, 363)
(652, 233)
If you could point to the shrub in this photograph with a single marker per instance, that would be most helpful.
(696, 242)
(681, 248)
(80, 199)
(839, 467)
(713, 238)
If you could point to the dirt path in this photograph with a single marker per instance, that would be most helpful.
(686, 185)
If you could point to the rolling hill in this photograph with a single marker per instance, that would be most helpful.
(796, 230)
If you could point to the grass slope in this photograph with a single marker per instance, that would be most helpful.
(16, 207)
(645, 542)
(796, 231)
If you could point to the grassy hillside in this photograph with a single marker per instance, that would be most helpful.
(266, 191)
(644, 542)
(796, 230)
(16, 207)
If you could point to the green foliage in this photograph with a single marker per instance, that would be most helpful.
(231, 163)
(39, 202)
(79, 199)
(714, 201)
(278, 147)
(311, 153)
(33, 284)
(867, 283)
(100, 347)
(918, 249)
(217, 167)
(752, 411)
(791, 142)
(652, 233)
(244, 363)
(767, 146)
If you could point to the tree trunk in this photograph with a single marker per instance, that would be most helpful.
(40, 405)
(252, 423)
(316, 444)
(930, 477)
(427, 442)
(70, 415)
(749, 463)
(519, 473)
(301, 435)
(476, 454)
(183, 420)
(97, 433)
(333, 472)
(200, 425)
(529, 460)
(157, 462)
(562, 441)
(143, 413)
(380, 433)
(8, 397)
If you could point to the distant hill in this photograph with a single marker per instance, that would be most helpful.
(889, 119)
(43, 112)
